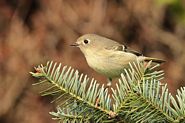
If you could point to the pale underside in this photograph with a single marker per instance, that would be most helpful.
(111, 63)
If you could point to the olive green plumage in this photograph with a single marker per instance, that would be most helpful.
(107, 56)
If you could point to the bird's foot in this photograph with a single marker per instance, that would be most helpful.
(109, 84)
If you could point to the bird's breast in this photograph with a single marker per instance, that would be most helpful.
(111, 65)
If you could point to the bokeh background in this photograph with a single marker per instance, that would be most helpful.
(35, 31)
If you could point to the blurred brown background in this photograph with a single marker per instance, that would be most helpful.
(35, 31)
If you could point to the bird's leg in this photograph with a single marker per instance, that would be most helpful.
(109, 82)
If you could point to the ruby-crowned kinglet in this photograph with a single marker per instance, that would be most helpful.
(107, 56)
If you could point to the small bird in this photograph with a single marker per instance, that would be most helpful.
(107, 56)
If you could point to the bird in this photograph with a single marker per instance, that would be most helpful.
(107, 56)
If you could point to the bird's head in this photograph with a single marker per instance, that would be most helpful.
(89, 43)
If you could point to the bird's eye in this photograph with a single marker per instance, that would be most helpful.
(86, 41)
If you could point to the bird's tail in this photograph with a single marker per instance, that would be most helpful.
(156, 60)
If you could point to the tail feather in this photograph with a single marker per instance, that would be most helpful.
(156, 60)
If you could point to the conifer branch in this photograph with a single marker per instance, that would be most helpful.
(138, 97)
(71, 87)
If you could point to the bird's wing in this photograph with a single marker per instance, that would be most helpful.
(124, 49)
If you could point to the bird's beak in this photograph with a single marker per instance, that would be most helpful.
(74, 45)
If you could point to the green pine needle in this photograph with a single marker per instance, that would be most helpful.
(139, 96)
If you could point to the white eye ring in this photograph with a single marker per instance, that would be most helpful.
(86, 41)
